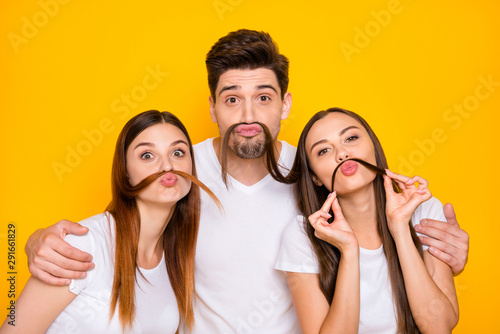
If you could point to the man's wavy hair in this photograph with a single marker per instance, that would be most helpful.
(246, 50)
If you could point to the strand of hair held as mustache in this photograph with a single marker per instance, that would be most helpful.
(271, 162)
(133, 191)
(368, 165)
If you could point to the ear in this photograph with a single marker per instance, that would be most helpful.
(316, 181)
(287, 105)
(213, 114)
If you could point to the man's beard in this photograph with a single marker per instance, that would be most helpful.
(254, 147)
(247, 148)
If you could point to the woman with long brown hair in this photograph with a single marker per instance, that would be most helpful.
(143, 246)
(353, 260)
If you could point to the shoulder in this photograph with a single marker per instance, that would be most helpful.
(296, 251)
(431, 209)
(287, 153)
(203, 147)
(100, 227)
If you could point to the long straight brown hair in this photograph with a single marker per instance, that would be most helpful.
(179, 237)
(311, 197)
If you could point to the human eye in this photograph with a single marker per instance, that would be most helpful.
(323, 151)
(178, 153)
(264, 98)
(351, 138)
(231, 100)
(147, 156)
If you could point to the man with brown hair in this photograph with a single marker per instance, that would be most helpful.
(238, 291)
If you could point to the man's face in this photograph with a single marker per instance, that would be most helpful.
(249, 96)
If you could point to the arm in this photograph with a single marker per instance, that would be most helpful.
(447, 241)
(37, 307)
(313, 312)
(429, 282)
(54, 261)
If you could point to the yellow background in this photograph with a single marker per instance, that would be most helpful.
(65, 69)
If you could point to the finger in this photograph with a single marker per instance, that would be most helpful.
(418, 179)
(450, 215)
(396, 176)
(66, 250)
(328, 203)
(48, 258)
(69, 227)
(318, 215)
(57, 271)
(418, 198)
(337, 211)
(442, 231)
(451, 261)
(389, 190)
(48, 278)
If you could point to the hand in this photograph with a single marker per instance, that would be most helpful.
(446, 241)
(54, 261)
(339, 232)
(401, 206)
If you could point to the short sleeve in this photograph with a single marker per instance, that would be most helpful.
(296, 253)
(84, 243)
(431, 209)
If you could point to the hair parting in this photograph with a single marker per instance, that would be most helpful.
(271, 162)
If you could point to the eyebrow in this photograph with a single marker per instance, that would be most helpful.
(236, 87)
(340, 134)
(148, 144)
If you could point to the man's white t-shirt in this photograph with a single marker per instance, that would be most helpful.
(237, 288)
(377, 314)
(155, 302)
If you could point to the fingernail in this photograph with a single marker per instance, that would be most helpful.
(92, 266)
(387, 171)
(418, 227)
(421, 238)
(83, 275)
(330, 194)
(423, 222)
(67, 282)
(432, 250)
(329, 215)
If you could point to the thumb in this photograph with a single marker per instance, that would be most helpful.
(450, 215)
(69, 227)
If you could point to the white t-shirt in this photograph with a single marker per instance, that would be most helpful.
(237, 289)
(156, 306)
(377, 314)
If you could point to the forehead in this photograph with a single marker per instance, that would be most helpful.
(330, 126)
(248, 79)
(161, 134)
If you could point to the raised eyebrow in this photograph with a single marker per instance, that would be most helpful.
(267, 86)
(233, 87)
(180, 141)
(148, 144)
(347, 129)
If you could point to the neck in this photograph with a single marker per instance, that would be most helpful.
(154, 220)
(245, 171)
(360, 211)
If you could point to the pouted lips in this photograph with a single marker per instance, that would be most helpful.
(168, 180)
(249, 130)
(349, 168)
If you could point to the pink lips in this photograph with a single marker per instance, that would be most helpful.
(249, 130)
(168, 180)
(349, 168)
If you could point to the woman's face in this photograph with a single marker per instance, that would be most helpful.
(161, 147)
(333, 139)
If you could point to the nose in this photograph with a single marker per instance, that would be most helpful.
(342, 154)
(249, 115)
(166, 164)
